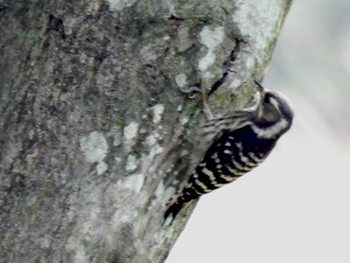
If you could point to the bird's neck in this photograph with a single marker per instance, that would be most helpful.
(271, 130)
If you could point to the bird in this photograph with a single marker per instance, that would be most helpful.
(239, 142)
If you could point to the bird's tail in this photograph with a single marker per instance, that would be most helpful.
(173, 208)
(175, 204)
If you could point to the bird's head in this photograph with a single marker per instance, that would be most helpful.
(272, 106)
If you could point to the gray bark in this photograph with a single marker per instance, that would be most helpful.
(95, 132)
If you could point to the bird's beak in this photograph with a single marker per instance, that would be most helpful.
(260, 87)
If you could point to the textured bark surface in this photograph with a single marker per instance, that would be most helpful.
(95, 131)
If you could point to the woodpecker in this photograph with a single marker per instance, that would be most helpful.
(240, 142)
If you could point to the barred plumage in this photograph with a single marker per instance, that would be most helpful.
(240, 143)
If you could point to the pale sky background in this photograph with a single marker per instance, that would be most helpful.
(295, 207)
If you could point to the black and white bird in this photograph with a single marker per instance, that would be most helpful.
(240, 142)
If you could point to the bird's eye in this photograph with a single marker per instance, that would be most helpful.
(267, 99)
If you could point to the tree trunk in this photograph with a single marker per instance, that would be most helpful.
(96, 133)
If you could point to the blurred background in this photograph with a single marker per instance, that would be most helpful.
(296, 206)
